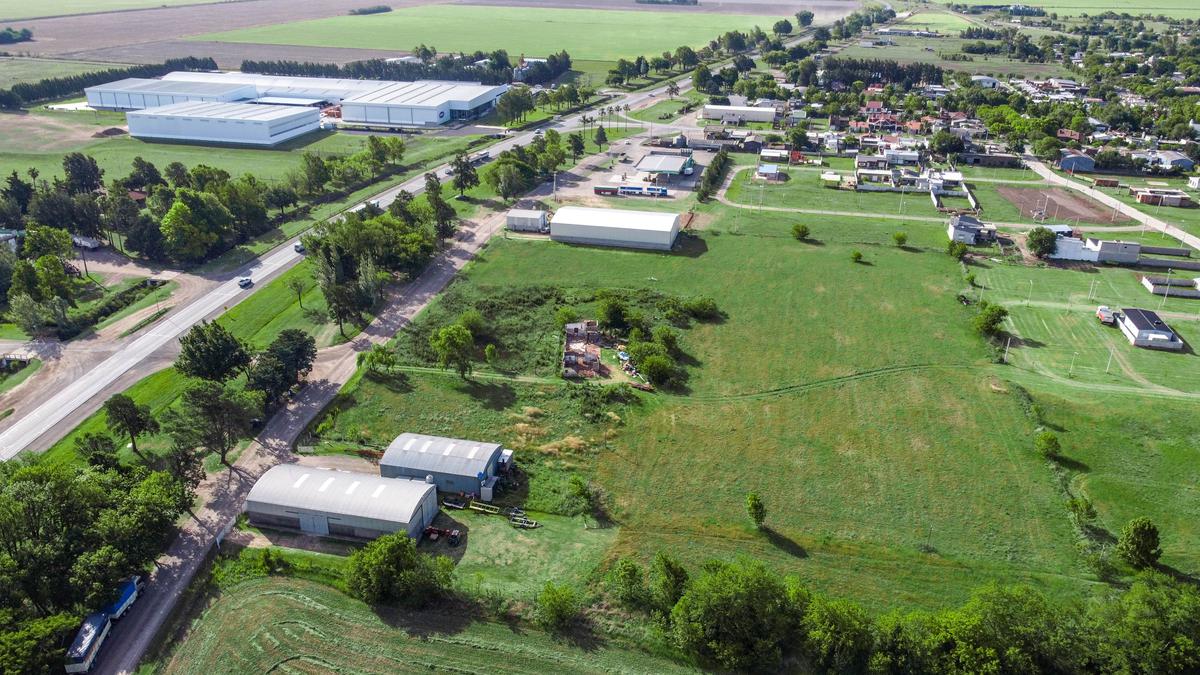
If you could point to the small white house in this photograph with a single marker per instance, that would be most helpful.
(1194, 182)
(985, 81)
(615, 227)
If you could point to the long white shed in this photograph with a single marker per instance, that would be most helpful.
(615, 227)
(235, 123)
(340, 503)
(526, 220)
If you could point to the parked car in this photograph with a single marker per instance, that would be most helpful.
(245, 282)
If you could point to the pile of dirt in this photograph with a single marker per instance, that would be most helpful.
(110, 132)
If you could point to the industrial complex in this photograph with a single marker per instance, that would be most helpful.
(368, 103)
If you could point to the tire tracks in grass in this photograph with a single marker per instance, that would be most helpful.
(819, 384)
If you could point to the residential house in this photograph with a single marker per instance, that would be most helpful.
(1075, 161)
(970, 231)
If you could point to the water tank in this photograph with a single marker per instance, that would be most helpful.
(429, 479)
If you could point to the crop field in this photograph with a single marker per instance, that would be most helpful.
(16, 9)
(1181, 9)
(913, 50)
(946, 23)
(15, 70)
(599, 35)
(294, 625)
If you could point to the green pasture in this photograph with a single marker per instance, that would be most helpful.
(16, 9)
(15, 70)
(275, 307)
(666, 111)
(942, 22)
(935, 50)
(591, 34)
(804, 190)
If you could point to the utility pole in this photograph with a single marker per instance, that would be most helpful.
(1071, 371)
(1029, 297)
(1007, 344)
(1166, 291)
(1110, 358)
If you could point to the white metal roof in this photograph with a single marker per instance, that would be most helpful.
(340, 493)
(438, 454)
(655, 221)
(196, 88)
(426, 93)
(526, 213)
(276, 85)
(662, 164)
(249, 112)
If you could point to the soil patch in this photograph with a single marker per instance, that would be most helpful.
(1058, 205)
(42, 133)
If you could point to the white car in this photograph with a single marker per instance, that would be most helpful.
(245, 282)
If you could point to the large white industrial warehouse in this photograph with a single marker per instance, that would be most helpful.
(364, 102)
(615, 227)
(241, 123)
(340, 503)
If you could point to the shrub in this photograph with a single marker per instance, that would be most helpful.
(627, 584)
(473, 321)
(668, 581)
(856, 256)
(702, 308)
(956, 250)
(838, 636)
(390, 570)
(1047, 445)
(660, 370)
(800, 231)
(987, 321)
(900, 238)
(556, 606)
(756, 509)
(1138, 543)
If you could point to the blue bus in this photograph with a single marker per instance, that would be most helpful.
(95, 628)
(88, 640)
(643, 191)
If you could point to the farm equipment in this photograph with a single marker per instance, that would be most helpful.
(435, 533)
(523, 523)
(483, 508)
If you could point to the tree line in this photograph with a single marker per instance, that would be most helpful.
(24, 93)
(495, 68)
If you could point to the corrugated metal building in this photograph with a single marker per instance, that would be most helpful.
(455, 465)
(240, 123)
(137, 93)
(340, 503)
(526, 220)
(615, 227)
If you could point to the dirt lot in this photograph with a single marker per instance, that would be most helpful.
(104, 36)
(1058, 204)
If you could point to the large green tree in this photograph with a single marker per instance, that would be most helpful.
(213, 417)
(126, 417)
(390, 570)
(210, 352)
(453, 345)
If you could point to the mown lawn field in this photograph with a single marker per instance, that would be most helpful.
(267, 624)
(591, 34)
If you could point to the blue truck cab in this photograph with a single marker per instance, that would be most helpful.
(128, 591)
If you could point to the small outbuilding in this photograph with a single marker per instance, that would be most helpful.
(969, 230)
(453, 465)
(340, 503)
(737, 114)
(666, 165)
(1075, 161)
(526, 220)
(615, 227)
(1144, 328)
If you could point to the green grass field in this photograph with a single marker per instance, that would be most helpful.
(296, 625)
(667, 110)
(275, 307)
(598, 35)
(803, 190)
(14, 70)
(15, 9)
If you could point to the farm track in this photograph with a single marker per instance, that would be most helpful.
(818, 384)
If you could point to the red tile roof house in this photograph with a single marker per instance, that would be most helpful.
(1069, 135)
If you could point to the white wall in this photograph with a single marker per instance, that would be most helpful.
(600, 235)
(383, 114)
(257, 132)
